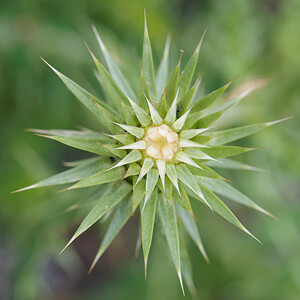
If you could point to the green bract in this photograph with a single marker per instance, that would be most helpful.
(155, 154)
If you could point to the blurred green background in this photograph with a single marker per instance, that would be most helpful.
(256, 39)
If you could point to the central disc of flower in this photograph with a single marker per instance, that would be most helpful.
(161, 142)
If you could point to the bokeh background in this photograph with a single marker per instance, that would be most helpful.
(257, 39)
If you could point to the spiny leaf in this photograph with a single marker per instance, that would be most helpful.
(110, 198)
(227, 163)
(80, 143)
(114, 149)
(191, 227)
(119, 219)
(83, 134)
(147, 165)
(116, 95)
(183, 199)
(134, 169)
(147, 64)
(130, 116)
(162, 73)
(197, 154)
(178, 125)
(138, 193)
(205, 171)
(227, 190)
(151, 181)
(172, 174)
(168, 219)
(191, 133)
(125, 139)
(86, 98)
(147, 222)
(226, 136)
(142, 115)
(81, 171)
(225, 151)
(190, 144)
(188, 72)
(172, 85)
(131, 157)
(136, 131)
(137, 145)
(220, 207)
(101, 177)
(185, 175)
(183, 157)
(155, 116)
(188, 96)
(114, 70)
(143, 93)
(209, 99)
(162, 105)
(161, 166)
(171, 115)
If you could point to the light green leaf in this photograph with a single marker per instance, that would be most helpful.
(220, 207)
(147, 165)
(151, 181)
(205, 171)
(188, 72)
(172, 174)
(136, 131)
(143, 93)
(81, 171)
(229, 135)
(133, 156)
(92, 146)
(162, 73)
(134, 169)
(178, 125)
(197, 153)
(209, 99)
(147, 64)
(168, 219)
(171, 115)
(155, 116)
(161, 166)
(147, 221)
(183, 157)
(103, 176)
(119, 219)
(86, 98)
(185, 175)
(227, 190)
(171, 88)
(183, 199)
(125, 139)
(114, 149)
(191, 227)
(191, 133)
(110, 198)
(190, 144)
(142, 115)
(227, 163)
(225, 151)
(140, 145)
(138, 193)
(116, 95)
(114, 70)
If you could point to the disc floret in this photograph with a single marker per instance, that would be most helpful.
(161, 142)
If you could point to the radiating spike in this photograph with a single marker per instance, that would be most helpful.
(171, 115)
(180, 122)
(147, 165)
(142, 116)
(133, 156)
(189, 144)
(136, 131)
(140, 145)
(172, 174)
(183, 157)
(161, 166)
(151, 181)
(190, 133)
(155, 116)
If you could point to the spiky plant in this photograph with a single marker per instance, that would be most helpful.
(155, 153)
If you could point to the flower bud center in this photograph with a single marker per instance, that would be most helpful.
(161, 142)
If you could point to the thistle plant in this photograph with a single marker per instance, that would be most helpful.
(155, 153)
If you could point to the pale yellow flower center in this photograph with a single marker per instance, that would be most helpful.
(161, 142)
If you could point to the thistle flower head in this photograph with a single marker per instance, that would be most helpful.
(155, 150)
